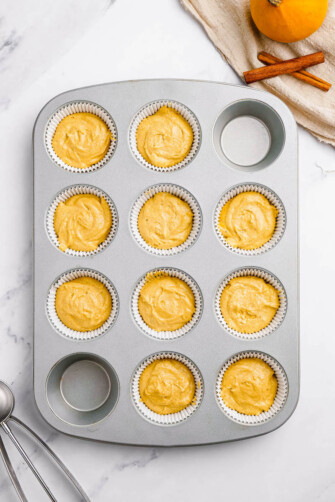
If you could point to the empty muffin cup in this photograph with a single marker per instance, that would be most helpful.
(151, 109)
(280, 398)
(248, 135)
(64, 330)
(65, 195)
(186, 328)
(82, 389)
(172, 418)
(177, 191)
(268, 278)
(70, 109)
(271, 197)
(85, 385)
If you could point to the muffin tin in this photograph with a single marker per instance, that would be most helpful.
(112, 358)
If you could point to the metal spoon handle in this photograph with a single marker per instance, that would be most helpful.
(27, 459)
(11, 472)
(55, 458)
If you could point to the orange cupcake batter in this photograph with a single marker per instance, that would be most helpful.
(83, 304)
(166, 303)
(165, 138)
(167, 386)
(248, 304)
(82, 222)
(81, 140)
(249, 386)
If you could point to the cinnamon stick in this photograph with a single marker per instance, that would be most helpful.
(302, 75)
(289, 66)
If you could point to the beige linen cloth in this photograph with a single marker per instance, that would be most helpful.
(229, 25)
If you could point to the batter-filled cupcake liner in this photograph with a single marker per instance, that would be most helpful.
(172, 418)
(51, 305)
(152, 108)
(272, 198)
(184, 195)
(167, 335)
(279, 401)
(270, 279)
(62, 197)
(78, 107)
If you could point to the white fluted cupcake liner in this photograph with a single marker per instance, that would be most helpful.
(51, 307)
(173, 418)
(167, 335)
(272, 198)
(267, 277)
(152, 108)
(62, 197)
(78, 107)
(279, 401)
(184, 195)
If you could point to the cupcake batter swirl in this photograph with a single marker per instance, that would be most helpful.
(248, 220)
(249, 386)
(248, 304)
(165, 221)
(82, 222)
(81, 140)
(165, 138)
(167, 386)
(166, 303)
(83, 304)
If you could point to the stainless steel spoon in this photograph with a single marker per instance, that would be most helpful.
(6, 408)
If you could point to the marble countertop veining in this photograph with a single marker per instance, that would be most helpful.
(47, 47)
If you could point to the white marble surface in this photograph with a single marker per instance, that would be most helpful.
(47, 47)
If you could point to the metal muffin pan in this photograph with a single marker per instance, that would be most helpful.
(116, 354)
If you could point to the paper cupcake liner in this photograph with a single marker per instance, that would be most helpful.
(77, 107)
(272, 198)
(279, 401)
(62, 197)
(51, 308)
(173, 418)
(152, 108)
(184, 195)
(267, 277)
(167, 335)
